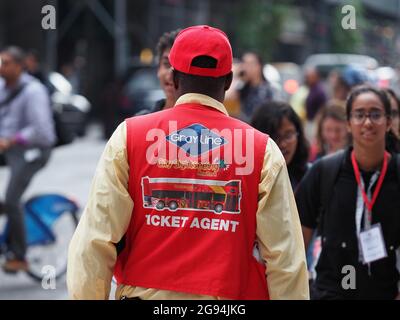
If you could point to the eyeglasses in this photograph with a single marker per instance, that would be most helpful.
(376, 117)
(288, 137)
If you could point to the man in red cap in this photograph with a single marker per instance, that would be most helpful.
(189, 203)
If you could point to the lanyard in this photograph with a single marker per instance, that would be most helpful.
(370, 203)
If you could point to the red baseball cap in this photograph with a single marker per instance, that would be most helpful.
(199, 41)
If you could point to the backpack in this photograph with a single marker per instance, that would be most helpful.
(64, 134)
(330, 167)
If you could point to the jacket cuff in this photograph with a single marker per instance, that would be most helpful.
(19, 139)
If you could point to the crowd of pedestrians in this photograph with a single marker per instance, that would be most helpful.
(333, 156)
(340, 146)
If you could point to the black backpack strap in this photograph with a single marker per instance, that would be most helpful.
(397, 155)
(12, 95)
(330, 167)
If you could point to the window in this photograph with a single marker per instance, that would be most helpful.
(161, 194)
(219, 197)
(203, 196)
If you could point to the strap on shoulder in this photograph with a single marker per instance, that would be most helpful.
(330, 166)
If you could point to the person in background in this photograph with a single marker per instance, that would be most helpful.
(359, 210)
(232, 98)
(298, 102)
(164, 72)
(343, 81)
(27, 135)
(280, 121)
(32, 65)
(315, 100)
(393, 138)
(395, 107)
(183, 259)
(332, 134)
(256, 89)
(70, 70)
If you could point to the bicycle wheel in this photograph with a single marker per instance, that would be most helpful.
(50, 223)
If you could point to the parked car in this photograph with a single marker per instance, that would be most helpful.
(72, 109)
(274, 78)
(140, 90)
(326, 62)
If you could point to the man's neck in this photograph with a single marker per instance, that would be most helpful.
(219, 96)
(369, 159)
(12, 83)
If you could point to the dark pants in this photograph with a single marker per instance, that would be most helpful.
(317, 293)
(23, 163)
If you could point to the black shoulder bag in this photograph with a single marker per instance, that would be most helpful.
(3, 104)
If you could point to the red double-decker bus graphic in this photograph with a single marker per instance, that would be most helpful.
(191, 194)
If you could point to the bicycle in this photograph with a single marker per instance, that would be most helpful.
(50, 221)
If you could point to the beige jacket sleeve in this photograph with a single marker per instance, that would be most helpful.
(92, 253)
(279, 231)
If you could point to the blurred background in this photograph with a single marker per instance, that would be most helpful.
(100, 61)
(99, 44)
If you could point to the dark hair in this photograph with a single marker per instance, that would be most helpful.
(259, 60)
(16, 53)
(200, 84)
(246, 90)
(165, 42)
(268, 119)
(392, 94)
(34, 53)
(392, 141)
(257, 55)
(354, 93)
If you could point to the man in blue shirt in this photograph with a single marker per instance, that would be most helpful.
(26, 137)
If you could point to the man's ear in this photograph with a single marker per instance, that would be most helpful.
(228, 81)
(175, 79)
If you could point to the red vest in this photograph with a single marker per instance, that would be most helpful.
(193, 224)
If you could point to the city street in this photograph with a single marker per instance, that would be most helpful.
(69, 172)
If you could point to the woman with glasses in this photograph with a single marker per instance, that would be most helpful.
(282, 124)
(359, 221)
